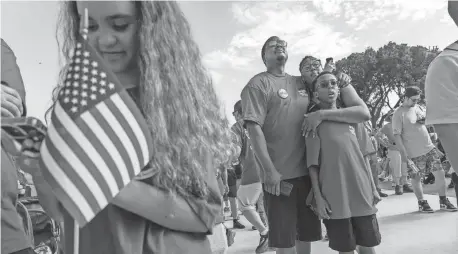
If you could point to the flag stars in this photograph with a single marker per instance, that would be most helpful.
(69, 75)
(77, 60)
(67, 91)
(103, 75)
(93, 97)
(84, 102)
(102, 91)
(77, 68)
(103, 83)
(78, 53)
(94, 88)
(74, 100)
(86, 54)
(85, 62)
(84, 94)
(111, 86)
(85, 70)
(74, 109)
(94, 64)
(68, 84)
(78, 45)
(76, 76)
(93, 80)
(76, 84)
(94, 72)
(66, 100)
(75, 92)
(84, 86)
(85, 77)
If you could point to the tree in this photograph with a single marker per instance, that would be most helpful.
(379, 76)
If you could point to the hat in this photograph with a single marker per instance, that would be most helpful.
(238, 106)
(412, 91)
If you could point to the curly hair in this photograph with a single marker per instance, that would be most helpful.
(175, 94)
(301, 64)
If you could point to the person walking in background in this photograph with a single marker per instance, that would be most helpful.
(413, 141)
(441, 91)
(399, 167)
(250, 189)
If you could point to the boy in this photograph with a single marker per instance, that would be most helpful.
(344, 190)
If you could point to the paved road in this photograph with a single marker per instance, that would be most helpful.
(404, 230)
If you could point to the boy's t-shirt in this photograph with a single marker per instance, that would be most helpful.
(343, 174)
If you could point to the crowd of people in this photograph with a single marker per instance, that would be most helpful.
(301, 154)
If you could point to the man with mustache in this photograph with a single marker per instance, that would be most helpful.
(274, 104)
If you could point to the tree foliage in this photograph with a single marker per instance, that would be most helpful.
(379, 76)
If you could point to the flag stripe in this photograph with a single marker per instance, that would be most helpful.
(70, 162)
(100, 148)
(146, 144)
(83, 158)
(108, 144)
(69, 195)
(80, 138)
(127, 128)
(119, 137)
(70, 170)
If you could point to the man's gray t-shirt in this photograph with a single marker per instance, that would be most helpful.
(414, 135)
(278, 105)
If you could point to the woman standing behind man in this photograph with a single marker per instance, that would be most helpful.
(148, 45)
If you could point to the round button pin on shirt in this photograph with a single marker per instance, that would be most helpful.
(282, 93)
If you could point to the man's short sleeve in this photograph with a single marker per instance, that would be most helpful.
(397, 123)
(254, 102)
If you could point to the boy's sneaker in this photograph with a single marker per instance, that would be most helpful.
(398, 190)
(238, 225)
(424, 207)
(407, 188)
(451, 185)
(263, 244)
(446, 205)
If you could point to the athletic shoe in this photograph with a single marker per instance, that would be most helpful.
(382, 195)
(398, 190)
(447, 206)
(451, 185)
(407, 188)
(424, 207)
(263, 244)
(238, 225)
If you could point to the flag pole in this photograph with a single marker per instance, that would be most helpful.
(84, 24)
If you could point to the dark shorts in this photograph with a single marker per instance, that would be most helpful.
(345, 234)
(289, 217)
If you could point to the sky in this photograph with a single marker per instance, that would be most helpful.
(230, 36)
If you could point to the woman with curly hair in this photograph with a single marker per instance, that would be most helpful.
(173, 204)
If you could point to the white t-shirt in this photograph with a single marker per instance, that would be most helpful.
(441, 88)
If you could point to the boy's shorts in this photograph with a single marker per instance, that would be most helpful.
(345, 234)
(427, 163)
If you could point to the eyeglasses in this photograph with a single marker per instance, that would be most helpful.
(414, 99)
(279, 44)
(328, 84)
(316, 64)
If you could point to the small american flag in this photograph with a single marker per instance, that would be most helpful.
(97, 139)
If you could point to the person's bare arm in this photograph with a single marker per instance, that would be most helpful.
(355, 110)
(259, 145)
(313, 154)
